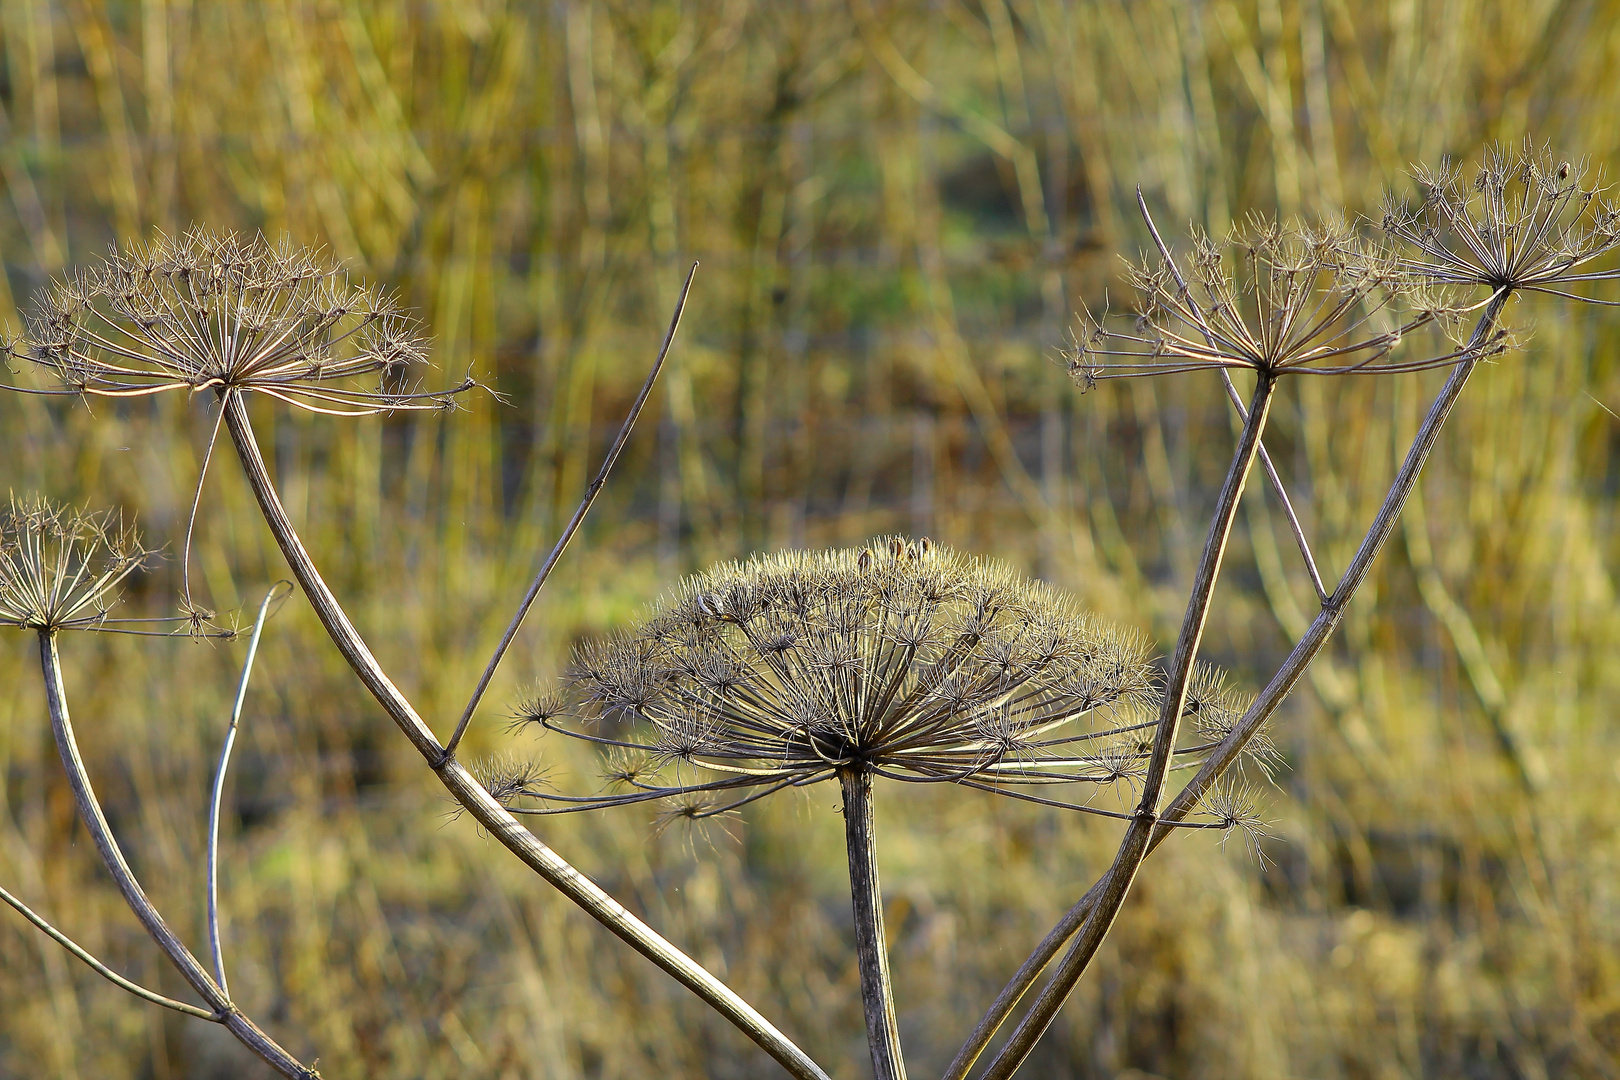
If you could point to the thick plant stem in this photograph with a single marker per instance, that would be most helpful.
(871, 947)
(1314, 639)
(95, 822)
(467, 791)
(1114, 886)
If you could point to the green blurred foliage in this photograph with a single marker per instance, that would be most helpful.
(896, 205)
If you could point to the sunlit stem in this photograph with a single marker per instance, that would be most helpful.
(1133, 849)
(1222, 757)
(219, 789)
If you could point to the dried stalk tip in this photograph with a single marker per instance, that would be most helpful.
(1216, 708)
(217, 311)
(901, 659)
(538, 708)
(60, 568)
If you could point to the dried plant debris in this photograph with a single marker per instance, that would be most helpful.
(903, 659)
(215, 311)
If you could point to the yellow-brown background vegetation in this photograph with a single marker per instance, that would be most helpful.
(896, 206)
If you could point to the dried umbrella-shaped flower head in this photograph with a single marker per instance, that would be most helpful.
(1270, 299)
(1527, 222)
(215, 311)
(59, 568)
(904, 660)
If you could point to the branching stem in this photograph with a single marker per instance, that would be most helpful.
(245, 1030)
(102, 969)
(1220, 759)
(574, 522)
(1110, 894)
(466, 789)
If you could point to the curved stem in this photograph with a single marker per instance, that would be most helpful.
(245, 1030)
(471, 794)
(871, 945)
(219, 791)
(1114, 886)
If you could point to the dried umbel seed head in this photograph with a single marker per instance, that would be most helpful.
(1233, 808)
(1215, 709)
(1268, 298)
(901, 659)
(1523, 221)
(60, 568)
(214, 311)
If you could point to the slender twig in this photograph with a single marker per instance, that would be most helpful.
(191, 519)
(871, 945)
(1221, 758)
(574, 522)
(1133, 849)
(245, 1030)
(102, 969)
(466, 789)
(219, 788)
(1281, 492)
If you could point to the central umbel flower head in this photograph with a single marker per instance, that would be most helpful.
(902, 659)
(216, 311)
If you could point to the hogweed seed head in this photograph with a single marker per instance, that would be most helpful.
(901, 659)
(1267, 297)
(60, 568)
(1233, 808)
(1523, 221)
(217, 311)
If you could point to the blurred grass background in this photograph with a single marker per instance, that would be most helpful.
(896, 205)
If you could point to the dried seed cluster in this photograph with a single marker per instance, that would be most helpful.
(903, 659)
(60, 568)
(1527, 221)
(1266, 298)
(216, 311)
